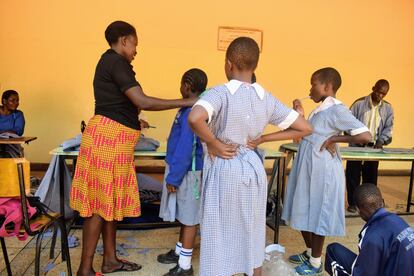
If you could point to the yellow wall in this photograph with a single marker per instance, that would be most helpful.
(49, 50)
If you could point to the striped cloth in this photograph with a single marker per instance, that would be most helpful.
(105, 182)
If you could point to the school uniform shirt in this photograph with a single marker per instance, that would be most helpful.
(234, 191)
(180, 149)
(14, 122)
(113, 76)
(315, 192)
(386, 247)
(379, 119)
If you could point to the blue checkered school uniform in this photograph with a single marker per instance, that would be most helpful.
(234, 191)
(315, 192)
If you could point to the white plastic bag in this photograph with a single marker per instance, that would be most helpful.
(274, 264)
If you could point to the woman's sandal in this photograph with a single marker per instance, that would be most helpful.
(125, 266)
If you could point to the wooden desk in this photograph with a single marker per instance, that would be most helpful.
(275, 179)
(20, 140)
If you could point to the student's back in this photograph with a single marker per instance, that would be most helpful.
(242, 111)
(387, 245)
(234, 190)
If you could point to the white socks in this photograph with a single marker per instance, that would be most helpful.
(184, 261)
(185, 258)
(309, 252)
(315, 262)
(178, 247)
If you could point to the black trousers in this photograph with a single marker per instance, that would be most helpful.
(339, 259)
(354, 170)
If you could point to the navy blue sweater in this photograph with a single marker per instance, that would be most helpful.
(386, 247)
(180, 149)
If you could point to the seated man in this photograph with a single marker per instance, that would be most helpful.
(386, 242)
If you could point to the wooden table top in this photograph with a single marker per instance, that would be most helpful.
(20, 140)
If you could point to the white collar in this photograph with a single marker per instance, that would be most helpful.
(233, 85)
(327, 103)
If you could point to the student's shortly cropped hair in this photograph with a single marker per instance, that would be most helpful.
(118, 29)
(197, 80)
(368, 195)
(243, 52)
(329, 75)
(382, 83)
(7, 94)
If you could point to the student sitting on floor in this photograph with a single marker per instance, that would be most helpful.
(181, 191)
(386, 242)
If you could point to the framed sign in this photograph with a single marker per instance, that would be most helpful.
(227, 34)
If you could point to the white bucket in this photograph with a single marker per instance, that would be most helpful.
(273, 248)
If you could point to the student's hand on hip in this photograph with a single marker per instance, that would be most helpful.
(252, 144)
(171, 188)
(329, 146)
(224, 151)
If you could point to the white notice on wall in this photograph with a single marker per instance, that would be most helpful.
(227, 34)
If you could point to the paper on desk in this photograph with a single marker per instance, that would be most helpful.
(7, 135)
(360, 149)
(398, 150)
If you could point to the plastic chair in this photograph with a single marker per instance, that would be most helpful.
(37, 226)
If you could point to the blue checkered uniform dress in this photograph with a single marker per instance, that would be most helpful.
(315, 192)
(234, 191)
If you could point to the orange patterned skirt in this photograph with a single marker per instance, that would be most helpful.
(105, 182)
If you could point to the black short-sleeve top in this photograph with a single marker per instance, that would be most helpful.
(113, 76)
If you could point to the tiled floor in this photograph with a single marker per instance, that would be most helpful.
(143, 246)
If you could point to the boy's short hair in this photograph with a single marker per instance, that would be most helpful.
(197, 79)
(329, 75)
(118, 29)
(243, 52)
(368, 195)
(382, 83)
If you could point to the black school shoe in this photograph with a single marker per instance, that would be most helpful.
(178, 271)
(168, 258)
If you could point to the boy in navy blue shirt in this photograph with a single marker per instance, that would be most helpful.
(386, 242)
(181, 190)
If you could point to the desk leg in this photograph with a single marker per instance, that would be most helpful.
(410, 189)
(62, 185)
(6, 257)
(280, 174)
(61, 166)
(272, 176)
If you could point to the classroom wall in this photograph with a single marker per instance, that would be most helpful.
(49, 50)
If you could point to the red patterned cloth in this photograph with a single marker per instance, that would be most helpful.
(105, 182)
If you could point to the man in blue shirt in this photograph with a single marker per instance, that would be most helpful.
(386, 242)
